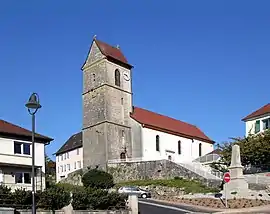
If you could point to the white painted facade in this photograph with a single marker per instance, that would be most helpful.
(168, 146)
(251, 123)
(68, 162)
(17, 162)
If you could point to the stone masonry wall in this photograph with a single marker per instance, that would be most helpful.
(151, 170)
(162, 169)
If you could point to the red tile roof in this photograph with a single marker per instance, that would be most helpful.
(261, 111)
(112, 52)
(166, 124)
(11, 129)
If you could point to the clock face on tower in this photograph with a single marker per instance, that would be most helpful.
(126, 76)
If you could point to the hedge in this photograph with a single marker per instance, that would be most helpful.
(58, 196)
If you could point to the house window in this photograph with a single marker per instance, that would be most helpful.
(61, 157)
(68, 167)
(61, 168)
(26, 149)
(27, 178)
(79, 164)
(122, 156)
(17, 148)
(200, 149)
(65, 168)
(74, 165)
(58, 169)
(257, 126)
(67, 155)
(157, 143)
(21, 148)
(78, 151)
(117, 77)
(179, 147)
(22, 178)
(266, 124)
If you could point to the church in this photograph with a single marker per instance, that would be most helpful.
(114, 130)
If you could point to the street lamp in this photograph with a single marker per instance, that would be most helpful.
(33, 106)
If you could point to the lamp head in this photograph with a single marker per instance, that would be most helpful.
(33, 103)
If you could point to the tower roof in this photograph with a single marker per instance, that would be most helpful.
(112, 53)
(261, 111)
(166, 124)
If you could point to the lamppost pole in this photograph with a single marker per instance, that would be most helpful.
(33, 105)
(33, 165)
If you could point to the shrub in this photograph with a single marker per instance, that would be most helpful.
(22, 199)
(97, 179)
(97, 199)
(54, 198)
(5, 196)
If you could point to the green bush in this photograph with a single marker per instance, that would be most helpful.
(5, 196)
(97, 179)
(54, 198)
(22, 199)
(97, 199)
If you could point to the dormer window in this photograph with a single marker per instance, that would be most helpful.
(117, 77)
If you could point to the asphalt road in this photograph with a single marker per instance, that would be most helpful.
(154, 207)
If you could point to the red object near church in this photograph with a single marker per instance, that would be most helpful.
(227, 177)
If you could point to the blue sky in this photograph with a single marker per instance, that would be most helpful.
(203, 62)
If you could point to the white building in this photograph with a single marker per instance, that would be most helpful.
(258, 120)
(115, 130)
(69, 157)
(16, 157)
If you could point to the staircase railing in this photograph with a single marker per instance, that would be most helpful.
(200, 170)
(207, 158)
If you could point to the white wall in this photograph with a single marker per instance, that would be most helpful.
(68, 162)
(8, 156)
(189, 148)
(250, 124)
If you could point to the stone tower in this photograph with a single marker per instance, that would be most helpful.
(107, 103)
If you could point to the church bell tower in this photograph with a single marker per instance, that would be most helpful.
(107, 103)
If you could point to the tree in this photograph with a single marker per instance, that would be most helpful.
(98, 179)
(255, 150)
(50, 171)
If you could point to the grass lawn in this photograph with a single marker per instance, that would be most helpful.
(189, 186)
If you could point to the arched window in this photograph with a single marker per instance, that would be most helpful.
(200, 149)
(157, 143)
(117, 77)
(123, 156)
(179, 147)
